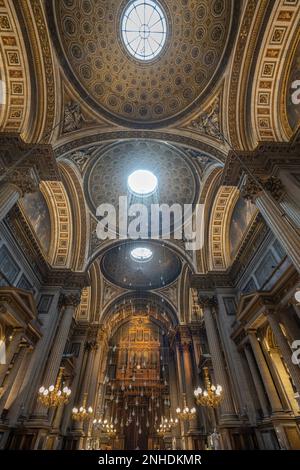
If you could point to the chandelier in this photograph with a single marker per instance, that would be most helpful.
(99, 424)
(110, 430)
(166, 426)
(211, 396)
(82, 413)
(185, 413)
(54, 395)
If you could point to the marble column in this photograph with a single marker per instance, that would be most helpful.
(284, 348)
(267, 199)
(208, 303)
(257, 381)
(265, 373)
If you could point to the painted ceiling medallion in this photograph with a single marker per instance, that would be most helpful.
(144, 29)
(129, 80)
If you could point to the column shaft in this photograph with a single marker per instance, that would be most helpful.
(257, 382)
(227, 406)
(285, 350)
(265, 373)
(9, 196)
(282, 228)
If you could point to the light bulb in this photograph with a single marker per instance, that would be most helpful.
(41, 390)
(51, 388)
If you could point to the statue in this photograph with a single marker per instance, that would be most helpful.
(215, 439)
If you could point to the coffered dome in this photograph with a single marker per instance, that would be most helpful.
(104, 57)
(107, 177)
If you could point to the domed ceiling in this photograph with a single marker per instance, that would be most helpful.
(132, 92)
(119, 267)
(106, 179)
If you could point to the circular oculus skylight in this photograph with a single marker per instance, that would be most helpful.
(144, 29)
(142, 182)
(141, 254)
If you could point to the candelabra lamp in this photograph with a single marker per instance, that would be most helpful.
(211, 396)
(110, 430)
(82, 413)
(55, 395)
(166, 426)
(100, 424)
(186, 413)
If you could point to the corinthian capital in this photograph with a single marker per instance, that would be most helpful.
(24, 179)
(250, 190)
(207, 300)
(69, 299)
(253, 188)
(275, 187)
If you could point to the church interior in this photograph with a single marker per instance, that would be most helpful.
(148, 343)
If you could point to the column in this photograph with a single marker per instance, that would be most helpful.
(265, 373)
(12, 348)
(257, 381)
(84, 389)
(68, 303)
(12, 377)
(284, 348)
(208, 303)
(267, 202)
(9, 196)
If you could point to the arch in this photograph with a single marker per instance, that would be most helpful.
(209, 189)
(130, 297)
(220, 215)
(269, 72)
(61, 224)
(15, 113)
(100, 137)
(79, 216)
(179, 250)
